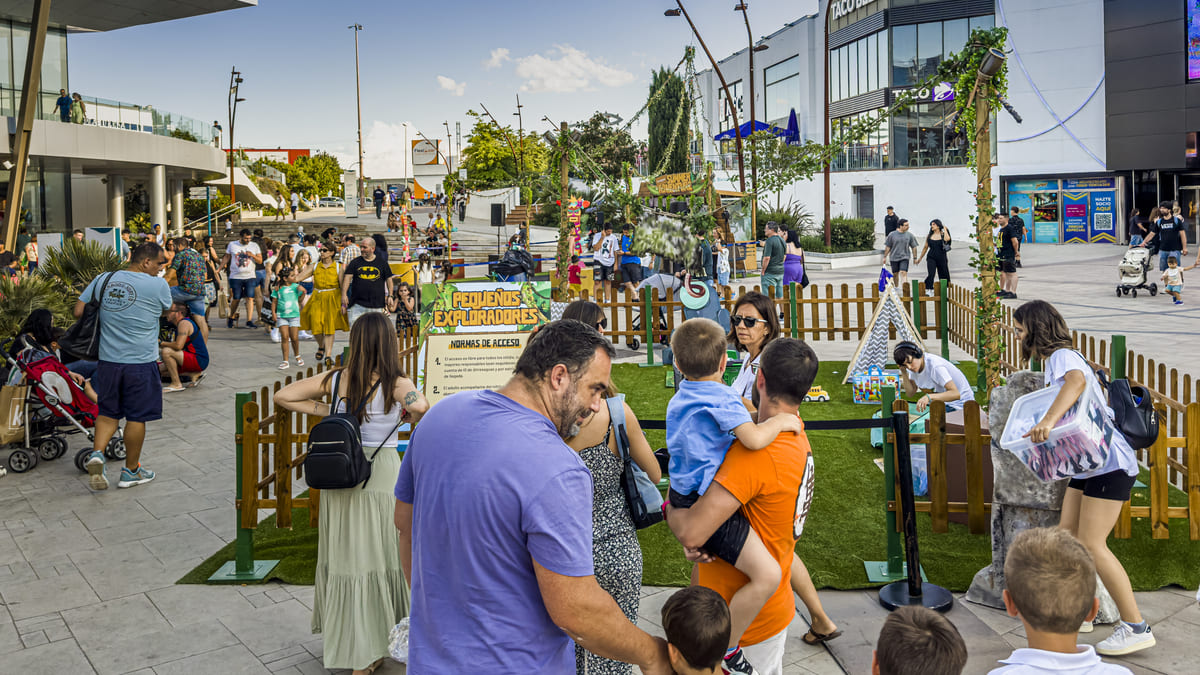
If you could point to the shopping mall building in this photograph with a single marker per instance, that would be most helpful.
(79, 172)
(1108, 92)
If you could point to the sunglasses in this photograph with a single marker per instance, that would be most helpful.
(749, 321)
(602, 324)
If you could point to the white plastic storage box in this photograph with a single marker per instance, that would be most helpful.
(1079, 443)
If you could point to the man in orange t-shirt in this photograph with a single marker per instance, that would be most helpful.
(773, 487)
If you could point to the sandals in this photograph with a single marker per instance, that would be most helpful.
(299, 362)
(285, 365)
(812, 637)
(320, 354)
(168, 390)
(195, 380)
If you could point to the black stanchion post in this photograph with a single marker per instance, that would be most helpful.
(911, 591)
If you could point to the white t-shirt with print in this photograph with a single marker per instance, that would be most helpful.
(241, 260)
(607, 254)
(936, 373)
(1121, 455)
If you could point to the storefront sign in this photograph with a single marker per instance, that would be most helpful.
(466, 362)
(1032, 185)
(1075, 217)
(1104, 217)
(424, 152)
(1089, 183)
(673, 183)
(840, 8)
(943, 91)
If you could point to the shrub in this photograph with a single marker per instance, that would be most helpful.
(846, 235)
(77, 263)
(18, 299)
(792, 216)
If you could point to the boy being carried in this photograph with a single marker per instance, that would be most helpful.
(1052, 587)
(700, 420)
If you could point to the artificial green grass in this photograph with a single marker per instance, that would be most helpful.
(846, 523)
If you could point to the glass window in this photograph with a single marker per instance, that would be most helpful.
(782, 90)
(872, 62)
(931, 138)
(835, 72)
(863, 67)
(844, 59)
(884, 58)
(929, 49)
(5, 55)
(904, 56)
(855, 90)
(988, 21)
(955, 35)
(20, 45)
(54, 62)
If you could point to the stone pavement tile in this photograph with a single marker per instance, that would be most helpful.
(1175, 651)
(1157, 606)
(112, 537)
(821, 663)
(650, 606)
(9, 551)
(302, 593)
(98, 624)
(186, 545)
(118, 571)
(10, 641)
(184, 604)
(124, 515)
(221, 521)
(130, 650)
(1189, 614)
(286, 658)
(34, 598)
(211, 482)
(57, 503)
(996, 619)
(183, 501)
(231, 660)
(794, 647)
(55, 658)
(34, 639)
(57, 540)
(269, 629)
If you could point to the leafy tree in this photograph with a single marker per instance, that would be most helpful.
(609, 146)
(184, 134)
(668, 123)
(500, 156)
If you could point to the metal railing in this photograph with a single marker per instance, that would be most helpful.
(216, 216)
(112, 114)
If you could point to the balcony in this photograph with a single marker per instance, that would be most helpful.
(112, 114)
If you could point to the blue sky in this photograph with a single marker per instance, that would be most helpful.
(421, 63)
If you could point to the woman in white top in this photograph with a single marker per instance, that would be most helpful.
(360, 591)
(1094, 499)
(755, 323)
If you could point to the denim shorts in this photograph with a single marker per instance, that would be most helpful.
(292, 321)
(260, 276)
(132, 391)
(1164, 255)
(195, 303)
(242, 288)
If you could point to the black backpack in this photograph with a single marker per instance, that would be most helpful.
(335, 458)
(1133, 411)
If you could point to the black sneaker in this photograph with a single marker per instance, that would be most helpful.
(251, 324)
(736, 664)
(1008, 295)
(229, 323)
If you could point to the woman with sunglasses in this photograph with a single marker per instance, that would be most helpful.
(587, 312)
(755, 323)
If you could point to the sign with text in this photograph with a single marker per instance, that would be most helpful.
(424, 152)
(674, 183)
(1108, 183)
(484, 306)
(1104, 217)
(1075, 217)
(466, 362)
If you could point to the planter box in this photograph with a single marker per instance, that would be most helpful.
(837, 261)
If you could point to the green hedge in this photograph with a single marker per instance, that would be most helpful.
(846, 234)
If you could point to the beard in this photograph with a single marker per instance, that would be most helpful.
(567, 413)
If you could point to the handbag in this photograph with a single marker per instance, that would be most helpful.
(1133, 411)
(83, 337)
(946, 245)
(641, 494)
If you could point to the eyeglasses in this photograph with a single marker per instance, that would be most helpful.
(750, 322)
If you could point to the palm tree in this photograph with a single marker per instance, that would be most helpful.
(77, 263)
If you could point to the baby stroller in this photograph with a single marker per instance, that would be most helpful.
(1133, 270)
(54, 407)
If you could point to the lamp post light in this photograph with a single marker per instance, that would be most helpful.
(235, 82)
(361, 188)
(741, 7)
(737, 131)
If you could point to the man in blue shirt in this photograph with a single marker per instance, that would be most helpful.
(63, 106)
(631, 265)
(127, 382)
(495, 522)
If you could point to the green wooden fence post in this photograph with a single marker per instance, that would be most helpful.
(243, 567)
(916, 309)
(944, 313)
(793, 306)
(648, 321)
(1117, 358)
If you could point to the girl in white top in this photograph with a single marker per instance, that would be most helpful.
(1093, 500)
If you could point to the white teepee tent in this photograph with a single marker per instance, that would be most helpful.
(873, 348)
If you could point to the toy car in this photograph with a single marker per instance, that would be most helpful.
(816, 394)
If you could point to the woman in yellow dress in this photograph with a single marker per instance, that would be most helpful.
(322, 315)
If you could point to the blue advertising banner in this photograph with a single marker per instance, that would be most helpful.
(1075, 217)
(1033, 185)
(1104, 217)
(1024, 206)
(1109, 183)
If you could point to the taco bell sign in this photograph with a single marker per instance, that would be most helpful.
(840, 8)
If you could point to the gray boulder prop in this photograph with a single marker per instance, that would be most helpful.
(1020, 501)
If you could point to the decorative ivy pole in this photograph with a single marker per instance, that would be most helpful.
(562, 257)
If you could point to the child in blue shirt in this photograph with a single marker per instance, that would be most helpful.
(702, 419)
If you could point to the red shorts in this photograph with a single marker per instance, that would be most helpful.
(190, 364)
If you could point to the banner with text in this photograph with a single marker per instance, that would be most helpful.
(469, 361)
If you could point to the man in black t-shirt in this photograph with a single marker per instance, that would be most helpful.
(1015, 219)
(890, 222)
(1170, 232)
(1010, 253)
(366, 284)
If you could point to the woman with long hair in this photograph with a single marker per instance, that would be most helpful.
(937, 246)
(1093, 500)
(793, 260)
(322, 314)
(617, 556)
(359, 589)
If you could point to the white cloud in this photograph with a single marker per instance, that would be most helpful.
(450, 85)
(566, 69)
(385, 149)
(499, 56)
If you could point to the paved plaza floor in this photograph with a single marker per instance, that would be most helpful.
(87, 579)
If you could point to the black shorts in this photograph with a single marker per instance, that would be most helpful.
(604, 272)
(1114, 485)
(899, 266)
(631, 273)
(1008, 266)
(132, 391)
(729, 539)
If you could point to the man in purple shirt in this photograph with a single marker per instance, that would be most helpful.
(495, 520)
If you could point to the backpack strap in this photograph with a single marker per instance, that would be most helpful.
(616, 414)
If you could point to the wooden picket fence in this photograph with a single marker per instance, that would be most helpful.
(273, 440)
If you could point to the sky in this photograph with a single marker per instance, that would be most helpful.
(421, 63)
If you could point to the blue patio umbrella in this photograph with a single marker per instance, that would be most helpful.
(791, 135)
(745, 128)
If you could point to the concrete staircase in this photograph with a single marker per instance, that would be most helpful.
(522, 214)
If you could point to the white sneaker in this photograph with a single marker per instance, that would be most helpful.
(305, 335)
(1087, 627)
(1125, 641)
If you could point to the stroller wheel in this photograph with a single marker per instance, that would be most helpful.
(81, 459)
(1153, 289)
(51, 447)
(21, 460)
(1118, 291)
(115, 449)
(633, 344)
(1133, 292)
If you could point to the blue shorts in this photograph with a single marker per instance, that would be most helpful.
(242, 288)
(132, 391)
(1174, 289)
(261, 277)
(195, 303)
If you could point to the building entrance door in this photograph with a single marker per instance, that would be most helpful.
(864, 201)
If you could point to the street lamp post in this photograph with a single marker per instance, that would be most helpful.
(235, 83)
(361, 191)
(737, 131)
(741, 6)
